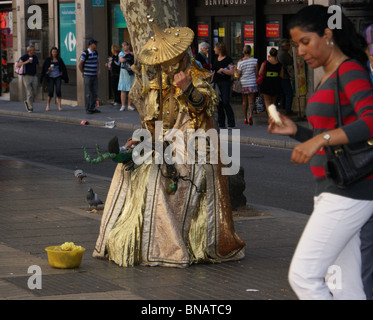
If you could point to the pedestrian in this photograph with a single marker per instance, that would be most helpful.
(331, 236)
(247, 69)
(114, 67)
(55, 71)
(202, 55)
(89, 66)
(223, 70)
(287, 63)
(127, 76)
(30, 80)
(274, 72)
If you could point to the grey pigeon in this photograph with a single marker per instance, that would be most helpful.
(80, 174)
(92, 199)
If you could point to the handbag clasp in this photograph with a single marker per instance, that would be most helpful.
(338, 151)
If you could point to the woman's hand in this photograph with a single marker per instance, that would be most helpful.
(303, 153)
(288, 127)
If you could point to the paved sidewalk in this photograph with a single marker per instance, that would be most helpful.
(42, 205)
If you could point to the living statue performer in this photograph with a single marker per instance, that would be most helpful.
(161, 214)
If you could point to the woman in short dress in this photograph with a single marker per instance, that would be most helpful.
(125, 79)
(247, 69)
(271, 87)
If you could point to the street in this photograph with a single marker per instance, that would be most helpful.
(271, 179)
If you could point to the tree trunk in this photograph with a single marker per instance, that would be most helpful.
(165, 14)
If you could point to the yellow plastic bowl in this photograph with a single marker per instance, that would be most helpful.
(58, 258)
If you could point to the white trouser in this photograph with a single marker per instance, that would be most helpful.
(331, 238)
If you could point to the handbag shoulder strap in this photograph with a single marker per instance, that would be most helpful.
(337, 104)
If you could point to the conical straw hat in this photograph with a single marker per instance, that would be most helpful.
(166, 44)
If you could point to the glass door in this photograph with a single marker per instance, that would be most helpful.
(234, 32)
(236, 40)
(220, 30)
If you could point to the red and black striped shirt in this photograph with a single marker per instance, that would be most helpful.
(356, 99)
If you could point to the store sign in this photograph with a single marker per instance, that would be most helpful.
(249, 31)
(273, 30)
(225, 2)
(285, 2)
(203, 30)
(68, 33)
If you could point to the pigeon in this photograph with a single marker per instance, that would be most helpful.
(92, 199)
(80, 174)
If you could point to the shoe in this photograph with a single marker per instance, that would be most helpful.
(246, 122)
(115, 104)
(89, 112)
(123, 108)
(96, 111)
(130, 108)
(251, 121)
(28, 108)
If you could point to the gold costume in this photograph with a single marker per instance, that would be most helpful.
(145, 224)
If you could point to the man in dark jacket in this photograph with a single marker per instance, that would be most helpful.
(30, 80)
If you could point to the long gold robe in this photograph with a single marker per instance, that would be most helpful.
(143, 224)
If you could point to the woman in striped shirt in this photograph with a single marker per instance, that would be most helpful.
(331, 237)
(247, 69)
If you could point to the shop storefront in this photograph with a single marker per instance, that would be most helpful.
(259, 23)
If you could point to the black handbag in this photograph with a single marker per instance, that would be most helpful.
(349, 163)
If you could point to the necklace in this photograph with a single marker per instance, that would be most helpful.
(333, 69)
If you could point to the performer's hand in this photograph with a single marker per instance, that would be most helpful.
(130, 143)
(183, 80)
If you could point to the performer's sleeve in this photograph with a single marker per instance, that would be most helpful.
(194, 96)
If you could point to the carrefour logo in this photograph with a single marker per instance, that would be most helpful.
(70, 41)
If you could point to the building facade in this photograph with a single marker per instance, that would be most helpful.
(69, 24)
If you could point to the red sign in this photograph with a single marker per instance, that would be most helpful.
(203, 30)
(272, 30)
(249, 31)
